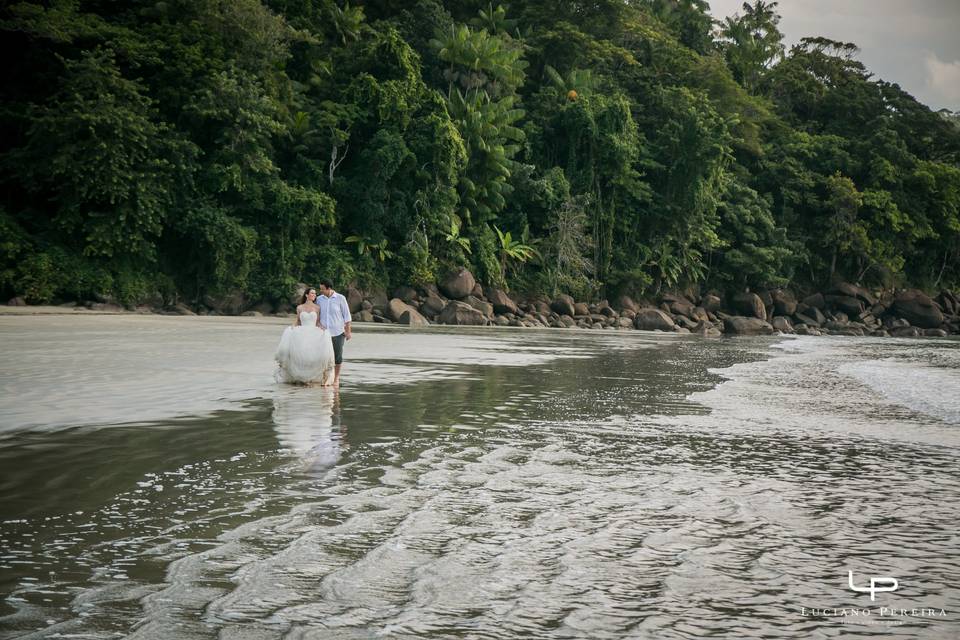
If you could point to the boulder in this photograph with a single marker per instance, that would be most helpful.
(354, 299)
(482, 306)
(935, 333)
(230, 304)
(624, 303)
(181, 309)
(407, 294)
(680, 306)
(461, 313)
(707, 330)
(16, 302)
(563, 304)
(363, 315)
(948, 302)
(396, 308)
(746, 326)
(784, 302)
(918, 308)
(653, 320)
(853, 291)
(803, 318)
(477, 291)
(700, 315)
(378, 298)
(848, 304)
(815, 300)
(413, 318)
(782, 324)
(501, 321)
(905, 332)
(502, 303)
(458, 284)
(433, 305)
(567, 321)
(750, 304)
(581, 309)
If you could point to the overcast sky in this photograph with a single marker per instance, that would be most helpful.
(914, 43)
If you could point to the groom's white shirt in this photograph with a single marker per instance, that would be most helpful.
(334, 313)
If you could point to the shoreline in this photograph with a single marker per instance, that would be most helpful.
(258, 318)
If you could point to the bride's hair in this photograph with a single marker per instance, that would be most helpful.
(303, 298)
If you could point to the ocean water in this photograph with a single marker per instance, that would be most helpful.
(156, 483)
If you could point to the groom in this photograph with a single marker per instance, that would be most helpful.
(335, 316)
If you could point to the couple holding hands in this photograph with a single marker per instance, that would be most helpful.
(311, 350)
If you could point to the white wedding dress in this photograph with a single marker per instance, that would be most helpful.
(305, 352)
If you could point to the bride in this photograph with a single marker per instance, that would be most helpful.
(305, 353)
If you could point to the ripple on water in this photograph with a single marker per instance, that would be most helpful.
(583, 505)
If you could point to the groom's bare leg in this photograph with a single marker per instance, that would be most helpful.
(336, 375)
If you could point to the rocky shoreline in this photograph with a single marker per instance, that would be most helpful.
(458, 300)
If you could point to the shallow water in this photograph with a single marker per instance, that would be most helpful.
(474, 484)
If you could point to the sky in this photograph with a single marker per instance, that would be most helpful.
(913, 43)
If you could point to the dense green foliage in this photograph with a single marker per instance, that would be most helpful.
(156, 151)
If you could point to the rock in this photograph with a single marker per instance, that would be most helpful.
(502, 303)
(624, 303)
(580, 309)
(252, 314)
(815, 300)
(413, 318)
(230, 304)
(477, 291)
(948, 302)
(848, 304)
(782, 324)
(746, 326)
(711, 303)
(379, 299)
(181, 309)
(407, 294)
(784, 302)
(750, 304)
(109, 307)
(845, 330)
(648, 319)
(700, 315)
(608, 311)
(366, 305)
(918, 308)
(501, 321)
(625, 323)
(396, 308)
(563, 304)
(354, 299)
(706, 330)
(458, 284)
(461, 313)
(364, 315)
(16, 302)
(682, 308)
(935, 333)
(853, 291)
(904, 332)
(804, 330)
(482, 306)
(433, 305)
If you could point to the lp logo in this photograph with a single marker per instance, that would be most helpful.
(892, 585)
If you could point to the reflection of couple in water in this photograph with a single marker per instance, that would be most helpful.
(308, 424)
(311, 350)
